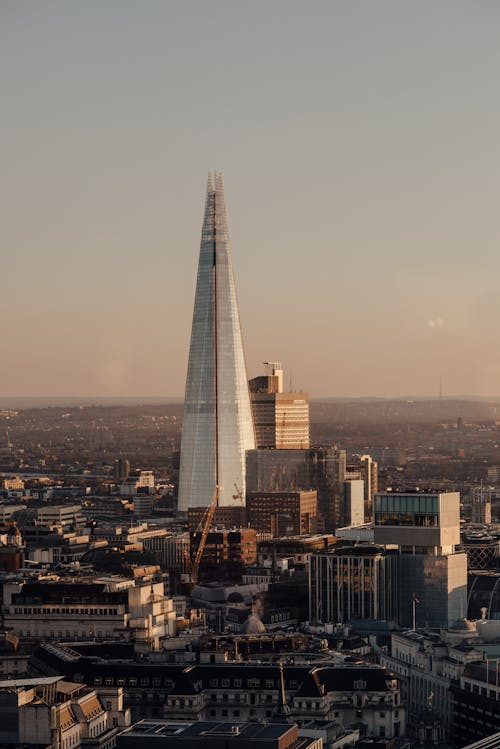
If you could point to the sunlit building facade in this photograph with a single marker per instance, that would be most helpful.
(426, 528)
(217, 424)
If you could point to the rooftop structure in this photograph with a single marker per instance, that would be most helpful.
(148, 734)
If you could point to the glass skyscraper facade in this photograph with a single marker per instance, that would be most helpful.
(217, 427)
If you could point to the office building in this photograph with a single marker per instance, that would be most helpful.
(281, 419)
(225, 517)
(236, 546)
(353, 583)
(480, 501)
(353, 503)
(89, 610)
(217, 423)
(476, 703)
(322, 469)
(482, 549)
(278, 470)
(426, 528)
(483, 594)
(282, 513)
(63, 515)
(369, 474)
(121, 469)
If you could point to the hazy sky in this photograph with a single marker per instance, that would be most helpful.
(360, 147)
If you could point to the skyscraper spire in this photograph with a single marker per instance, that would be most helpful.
(217, 425)
(282, 713)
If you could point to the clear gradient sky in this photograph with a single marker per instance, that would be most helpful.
(359, 142)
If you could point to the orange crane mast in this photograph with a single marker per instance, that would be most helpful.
(205, 527)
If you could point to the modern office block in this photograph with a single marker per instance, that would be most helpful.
(425, 526)
(418, 520)
(322, 469)
(217, 424)
(354, 583)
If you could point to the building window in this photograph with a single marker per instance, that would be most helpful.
(360, 684)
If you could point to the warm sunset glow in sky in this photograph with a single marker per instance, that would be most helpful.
(360, 148)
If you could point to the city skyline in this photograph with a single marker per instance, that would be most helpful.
(360, 145)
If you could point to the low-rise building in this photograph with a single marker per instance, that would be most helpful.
(59, 714)
(427, 664)
(357, 696)
(86, 610)
(65, 515)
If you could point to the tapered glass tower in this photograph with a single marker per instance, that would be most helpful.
(217, 426)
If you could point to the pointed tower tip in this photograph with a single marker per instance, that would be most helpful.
(210, 182)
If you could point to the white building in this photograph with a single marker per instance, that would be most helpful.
(89, 610)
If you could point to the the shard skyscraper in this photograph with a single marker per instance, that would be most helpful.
(217, 426)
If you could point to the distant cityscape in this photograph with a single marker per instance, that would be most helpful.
(252, 565)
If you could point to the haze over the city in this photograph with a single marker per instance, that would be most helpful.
(359, 145)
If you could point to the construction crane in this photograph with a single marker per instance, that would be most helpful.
(239, 493)
(205, 527)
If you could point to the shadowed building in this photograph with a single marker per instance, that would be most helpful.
(354, 583)
(217, 425)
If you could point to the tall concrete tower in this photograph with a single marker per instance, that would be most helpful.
(217, 426)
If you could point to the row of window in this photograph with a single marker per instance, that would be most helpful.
(73, 611)
(49, 634)
(132, 681)
(483, 691)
